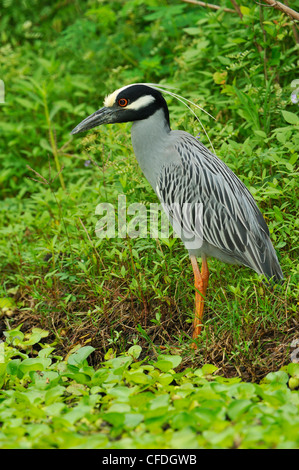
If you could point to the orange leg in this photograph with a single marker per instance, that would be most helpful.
(201, 280)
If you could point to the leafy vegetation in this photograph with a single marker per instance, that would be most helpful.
(48, 402)
(127, 304)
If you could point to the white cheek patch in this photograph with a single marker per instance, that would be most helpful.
(142, 102)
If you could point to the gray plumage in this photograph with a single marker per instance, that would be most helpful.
(182, 171)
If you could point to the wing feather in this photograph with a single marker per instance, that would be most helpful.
(231, 220)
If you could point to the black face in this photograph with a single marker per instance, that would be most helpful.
(132, 103)
(131, 95)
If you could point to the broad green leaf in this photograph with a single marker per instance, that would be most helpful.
(132, 420)
(165, 379)
(115, 419)
(32, 364)
(276, 377)
(138, 377)
(135, 351)
(167, 361)
(55, 409)
(164, 365)
(120, 362)
(34, 337)
(79, 356)
(192, 31)
(291, 118)
(261, 133)
(14, 336)
(294, 383)
(245, 10)
(7, 303)
(237, 407)
(53, 394)
(13, 366)
(183, 419)
(293, 369)
(208, 369)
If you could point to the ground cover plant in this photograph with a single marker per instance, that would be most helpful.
(130, 403)
(126, 305)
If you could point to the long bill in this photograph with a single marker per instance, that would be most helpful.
(102, 116)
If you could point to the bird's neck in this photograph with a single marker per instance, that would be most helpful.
(149, 138)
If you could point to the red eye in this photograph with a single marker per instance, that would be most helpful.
(122, 102)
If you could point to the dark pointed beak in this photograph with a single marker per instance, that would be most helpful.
(102, 116)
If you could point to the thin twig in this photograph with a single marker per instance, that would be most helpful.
(44, 181)
(287, 10)
(237, 8)
(209, 5)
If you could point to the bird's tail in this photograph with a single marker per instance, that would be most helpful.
(261, 256)
(274, 275)
(269, 264)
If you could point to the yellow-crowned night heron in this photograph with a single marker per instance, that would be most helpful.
(204, 200)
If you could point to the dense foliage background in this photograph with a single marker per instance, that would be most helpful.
(58, 62)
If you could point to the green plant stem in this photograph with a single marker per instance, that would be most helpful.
(52, 140)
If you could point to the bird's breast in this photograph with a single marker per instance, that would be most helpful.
(150, 139)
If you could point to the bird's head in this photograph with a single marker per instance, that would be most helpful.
(128, 104)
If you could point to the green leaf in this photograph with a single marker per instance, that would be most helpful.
(32, 364)
(182, 419)
(78, 357)
(167, 362)
(291, 118)
(14, 336)
(164, 365)
(13, 366)
(53, 394)
(276, 377)
(7, 303)
(55, 409)
(261, 134)
(138, 377)
(192, 31)
(122, 393)
(35, 336)
(293, 159)
(121, 362)
(245, 10)
(208, 369)
(132, 420)
(115, 419)
(293, 369)
(45, 145)
(135, 351)
(77, 413)
(294, 383)
(237, 407)
(165, 379)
